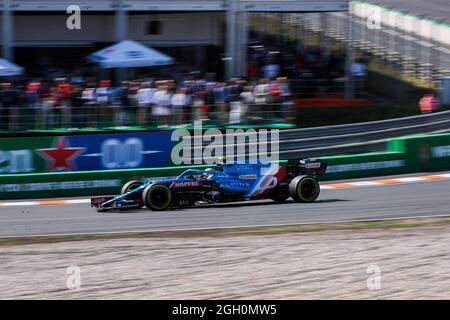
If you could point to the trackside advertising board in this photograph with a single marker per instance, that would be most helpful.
(364, 165)
(427, 152)
(85, 152)
(87, 183)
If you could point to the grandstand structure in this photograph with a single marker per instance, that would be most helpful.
(30, 23)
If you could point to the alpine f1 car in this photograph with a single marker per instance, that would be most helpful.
(231, 182)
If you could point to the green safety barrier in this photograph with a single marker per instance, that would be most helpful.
(425, 152)
(364, 165)
(404, 155)
(80, 183)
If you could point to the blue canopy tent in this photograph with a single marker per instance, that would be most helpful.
(7, 68)
(129, 54)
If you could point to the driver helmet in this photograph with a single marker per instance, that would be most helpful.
(209, 172)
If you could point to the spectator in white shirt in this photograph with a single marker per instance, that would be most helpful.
(162, 108)
(89, 102)
(88, 96)
(248, 99)
(145, 99)
(103, 95)
(261, 93)
(180, 101)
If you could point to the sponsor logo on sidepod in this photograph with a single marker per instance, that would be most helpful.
(247, 176)
(184, 184)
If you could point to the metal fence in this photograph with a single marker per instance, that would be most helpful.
(106, 116)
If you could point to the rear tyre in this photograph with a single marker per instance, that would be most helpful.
(304, 189)
(157, 197)
(130, 185)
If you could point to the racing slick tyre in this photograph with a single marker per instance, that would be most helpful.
(130, 185)
(157, 197)
(304, 189)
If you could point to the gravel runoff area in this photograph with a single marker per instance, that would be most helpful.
(414, 263)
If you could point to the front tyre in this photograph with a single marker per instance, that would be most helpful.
(304, 189)
(157, 197)
(131, 185)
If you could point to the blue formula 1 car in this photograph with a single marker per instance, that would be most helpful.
(231, 182)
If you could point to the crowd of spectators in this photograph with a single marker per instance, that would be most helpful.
(69, 103)
(312, 71)
(74, 99)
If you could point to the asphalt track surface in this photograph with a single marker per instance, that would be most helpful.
(431, 198)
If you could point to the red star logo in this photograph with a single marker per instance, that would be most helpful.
(61, 156)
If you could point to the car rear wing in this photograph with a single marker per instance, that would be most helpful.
(308, 166)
